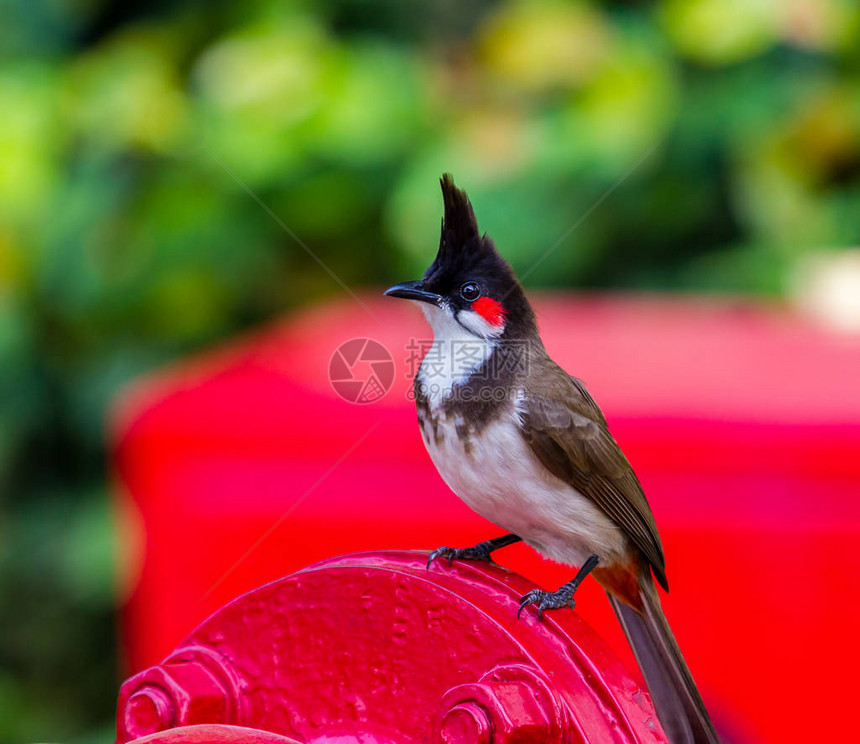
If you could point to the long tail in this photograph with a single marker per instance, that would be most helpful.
(679, 706)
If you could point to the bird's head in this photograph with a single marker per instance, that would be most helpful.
(469, 283)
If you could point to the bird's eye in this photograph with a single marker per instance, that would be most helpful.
(470, 291)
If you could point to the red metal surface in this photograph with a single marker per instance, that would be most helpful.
(215, 734)
(375, 648)
(742, 421)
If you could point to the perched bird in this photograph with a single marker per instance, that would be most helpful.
(524, 445)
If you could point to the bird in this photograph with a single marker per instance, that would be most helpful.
(523, 443)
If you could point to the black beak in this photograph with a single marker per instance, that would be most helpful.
(413, 291)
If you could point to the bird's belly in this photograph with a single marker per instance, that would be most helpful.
(495, 473)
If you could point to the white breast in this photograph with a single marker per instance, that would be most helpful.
(499, 477)
(453, 356)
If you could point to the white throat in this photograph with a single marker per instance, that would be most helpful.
(454, 355)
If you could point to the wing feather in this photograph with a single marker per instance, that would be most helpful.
(568, 433)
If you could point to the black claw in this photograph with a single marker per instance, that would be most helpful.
(562, 597)
(477, 553)
(546, 601)
(480, 552)
(527, 599)
(443, 551)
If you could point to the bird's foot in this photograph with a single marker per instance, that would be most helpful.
(479, 552)
(561, 597)
(548, 600)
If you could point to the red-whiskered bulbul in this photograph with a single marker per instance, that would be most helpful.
(524, 445)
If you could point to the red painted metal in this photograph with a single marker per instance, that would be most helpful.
(215, 733)
(742, 421)
(375, 648)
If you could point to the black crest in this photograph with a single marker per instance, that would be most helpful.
(460, 243)
(466, 255)
(459, 226)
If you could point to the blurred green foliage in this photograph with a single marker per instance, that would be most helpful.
(727, 131)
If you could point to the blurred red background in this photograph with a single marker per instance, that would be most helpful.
(742, 421)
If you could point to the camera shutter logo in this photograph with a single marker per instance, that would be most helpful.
(361, 370)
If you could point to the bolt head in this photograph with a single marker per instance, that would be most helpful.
(148, 711)
(176, 693)
(466, 723)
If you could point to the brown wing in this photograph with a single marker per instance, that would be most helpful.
(567, 432)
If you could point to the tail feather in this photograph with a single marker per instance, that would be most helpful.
(679, 706)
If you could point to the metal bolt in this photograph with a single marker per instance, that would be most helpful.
(509, 705)
(148, 711)
(466, 723)
(182, 691)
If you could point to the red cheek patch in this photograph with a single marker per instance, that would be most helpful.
(490, 310)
